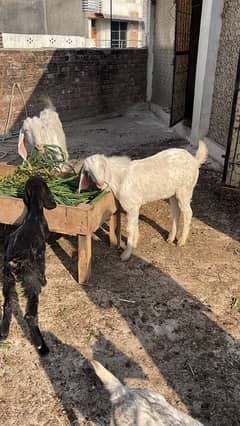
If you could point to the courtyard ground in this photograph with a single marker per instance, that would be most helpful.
(167, 320)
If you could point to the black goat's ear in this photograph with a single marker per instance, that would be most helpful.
(27, 196)
(48, 200)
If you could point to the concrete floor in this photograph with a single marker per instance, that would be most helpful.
(137, 133)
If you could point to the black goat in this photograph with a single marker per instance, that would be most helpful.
(24, 259)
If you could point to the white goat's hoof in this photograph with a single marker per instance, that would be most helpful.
(170, 239)
(181, 242)
(126, 255)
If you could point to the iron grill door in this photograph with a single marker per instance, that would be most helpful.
(231, 174)
(181, 59)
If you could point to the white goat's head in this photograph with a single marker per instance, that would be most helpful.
(33, 131)
(95, 170)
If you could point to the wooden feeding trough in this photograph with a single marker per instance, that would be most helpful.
(81, 221)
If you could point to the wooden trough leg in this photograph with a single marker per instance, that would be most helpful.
(84, 257)
(115, 229)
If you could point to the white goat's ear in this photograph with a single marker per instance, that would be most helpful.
(81, 180)
(21, 145)
(106, 170)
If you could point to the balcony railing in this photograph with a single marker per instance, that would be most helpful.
(92, 6)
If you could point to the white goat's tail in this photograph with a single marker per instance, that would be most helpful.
(202, 152)
(111, 383)
(47, 103)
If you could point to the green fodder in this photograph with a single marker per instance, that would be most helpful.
(64, 189)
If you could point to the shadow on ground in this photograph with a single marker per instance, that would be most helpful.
(196, 357)
(73, 379)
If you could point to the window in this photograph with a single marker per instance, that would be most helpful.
(119, 34)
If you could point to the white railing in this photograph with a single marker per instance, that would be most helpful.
(92, 6)
(41, 41)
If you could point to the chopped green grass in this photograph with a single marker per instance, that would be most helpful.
(64, 189)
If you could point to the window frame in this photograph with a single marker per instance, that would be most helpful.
(118, 28)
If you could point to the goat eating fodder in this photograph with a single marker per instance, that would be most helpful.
(171, 174)
(43, 130)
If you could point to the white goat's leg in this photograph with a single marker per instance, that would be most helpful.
(184, 200)
(132, 229)
(135, 237)
(175, 211)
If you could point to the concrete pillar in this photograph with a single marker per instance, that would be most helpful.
(45, 17)
(210, 29)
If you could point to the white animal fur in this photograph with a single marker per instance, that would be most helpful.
(43, 130)
(171, 174)
(139, 407)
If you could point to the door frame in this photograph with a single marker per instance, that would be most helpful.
(230, 160)
(178, 53)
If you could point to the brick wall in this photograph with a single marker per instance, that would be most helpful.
(86, 81)
(226, 71)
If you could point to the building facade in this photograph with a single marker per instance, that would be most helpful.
(116, 24)
(75, 23)
(192, 75)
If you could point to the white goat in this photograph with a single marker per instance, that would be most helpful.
(139, 407)
(171, 174)
(43, 130)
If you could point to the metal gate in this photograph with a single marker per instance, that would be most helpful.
(231, 174)
(181, 59)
